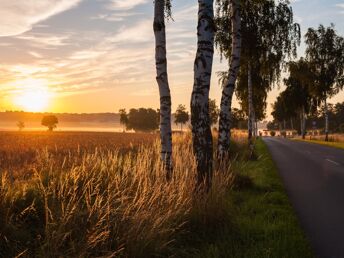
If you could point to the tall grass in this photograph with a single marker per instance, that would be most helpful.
(105, 203)
(331, 137)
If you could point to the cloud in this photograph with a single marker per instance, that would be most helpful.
(45, 40)
(115, 17)
(125, 4)
(19, 16)
(341, 6)
(138, 33)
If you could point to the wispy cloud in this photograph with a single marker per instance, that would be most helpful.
(125, 4)
(19, 16)
(341, 6)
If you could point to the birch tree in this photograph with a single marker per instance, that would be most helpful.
(200, 120)
(325, 52)
(160, 8)
(269, 36)
(231, 8)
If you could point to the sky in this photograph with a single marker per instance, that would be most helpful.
(87, 56)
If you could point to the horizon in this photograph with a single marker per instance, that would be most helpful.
(53, 63)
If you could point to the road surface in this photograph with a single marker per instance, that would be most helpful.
(313, 176)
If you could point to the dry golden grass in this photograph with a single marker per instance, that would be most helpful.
(332, 137)
(83, 201)
(18, 150)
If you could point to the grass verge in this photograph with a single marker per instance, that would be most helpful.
(339, 145)
(263, 223)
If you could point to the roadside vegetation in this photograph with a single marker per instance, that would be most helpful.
(115, 201)
(262, 222)
(332, 142)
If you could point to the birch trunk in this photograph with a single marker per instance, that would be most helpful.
(225, 122)
(200, 119)
(164, 89)
(326, 120)
(254, 128)
(250, 108)
(303, 123)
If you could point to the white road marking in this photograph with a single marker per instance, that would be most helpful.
(336, 163)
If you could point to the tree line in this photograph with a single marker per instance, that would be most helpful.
(312, 81)
(148, 119)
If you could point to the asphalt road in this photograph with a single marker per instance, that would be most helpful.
(313, 176)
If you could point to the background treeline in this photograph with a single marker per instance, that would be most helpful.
(14, 116)
(316, 120)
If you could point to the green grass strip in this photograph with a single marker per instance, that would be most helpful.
(263, 223)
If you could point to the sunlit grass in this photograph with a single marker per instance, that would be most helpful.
(107, 203)
(335, 144)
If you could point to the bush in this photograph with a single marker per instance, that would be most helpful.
(272, 133)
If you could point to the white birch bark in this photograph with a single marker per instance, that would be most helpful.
(250, 108)
(200, 120)
(162, 80)
(225, 121)
(326, 119)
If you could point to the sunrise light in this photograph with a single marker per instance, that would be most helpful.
(34, 97)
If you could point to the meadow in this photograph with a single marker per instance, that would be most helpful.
(106, 195)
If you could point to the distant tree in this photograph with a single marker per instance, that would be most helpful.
(214, 112)
(272, 126)
(20, 125)
(123, 119)
(181, 116)
(50, 122)
(325, 52)
(144, 120)
(297, 97)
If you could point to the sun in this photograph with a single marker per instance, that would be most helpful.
(34, 98)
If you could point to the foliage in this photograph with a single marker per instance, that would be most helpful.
(50, 121)
(325, 52)
(181, 116)
(239, 119)
(214, 112)
(269, 36)
(272, 133)
(21, 125)
(123, 117)
(142, 119)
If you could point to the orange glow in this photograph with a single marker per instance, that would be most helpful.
(34, 97)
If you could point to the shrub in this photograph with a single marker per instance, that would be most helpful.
(272, 133)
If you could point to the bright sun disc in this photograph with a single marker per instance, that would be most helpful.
(33, 101)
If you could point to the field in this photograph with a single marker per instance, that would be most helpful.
(335, 140)
(19, 150)
(106, 195)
